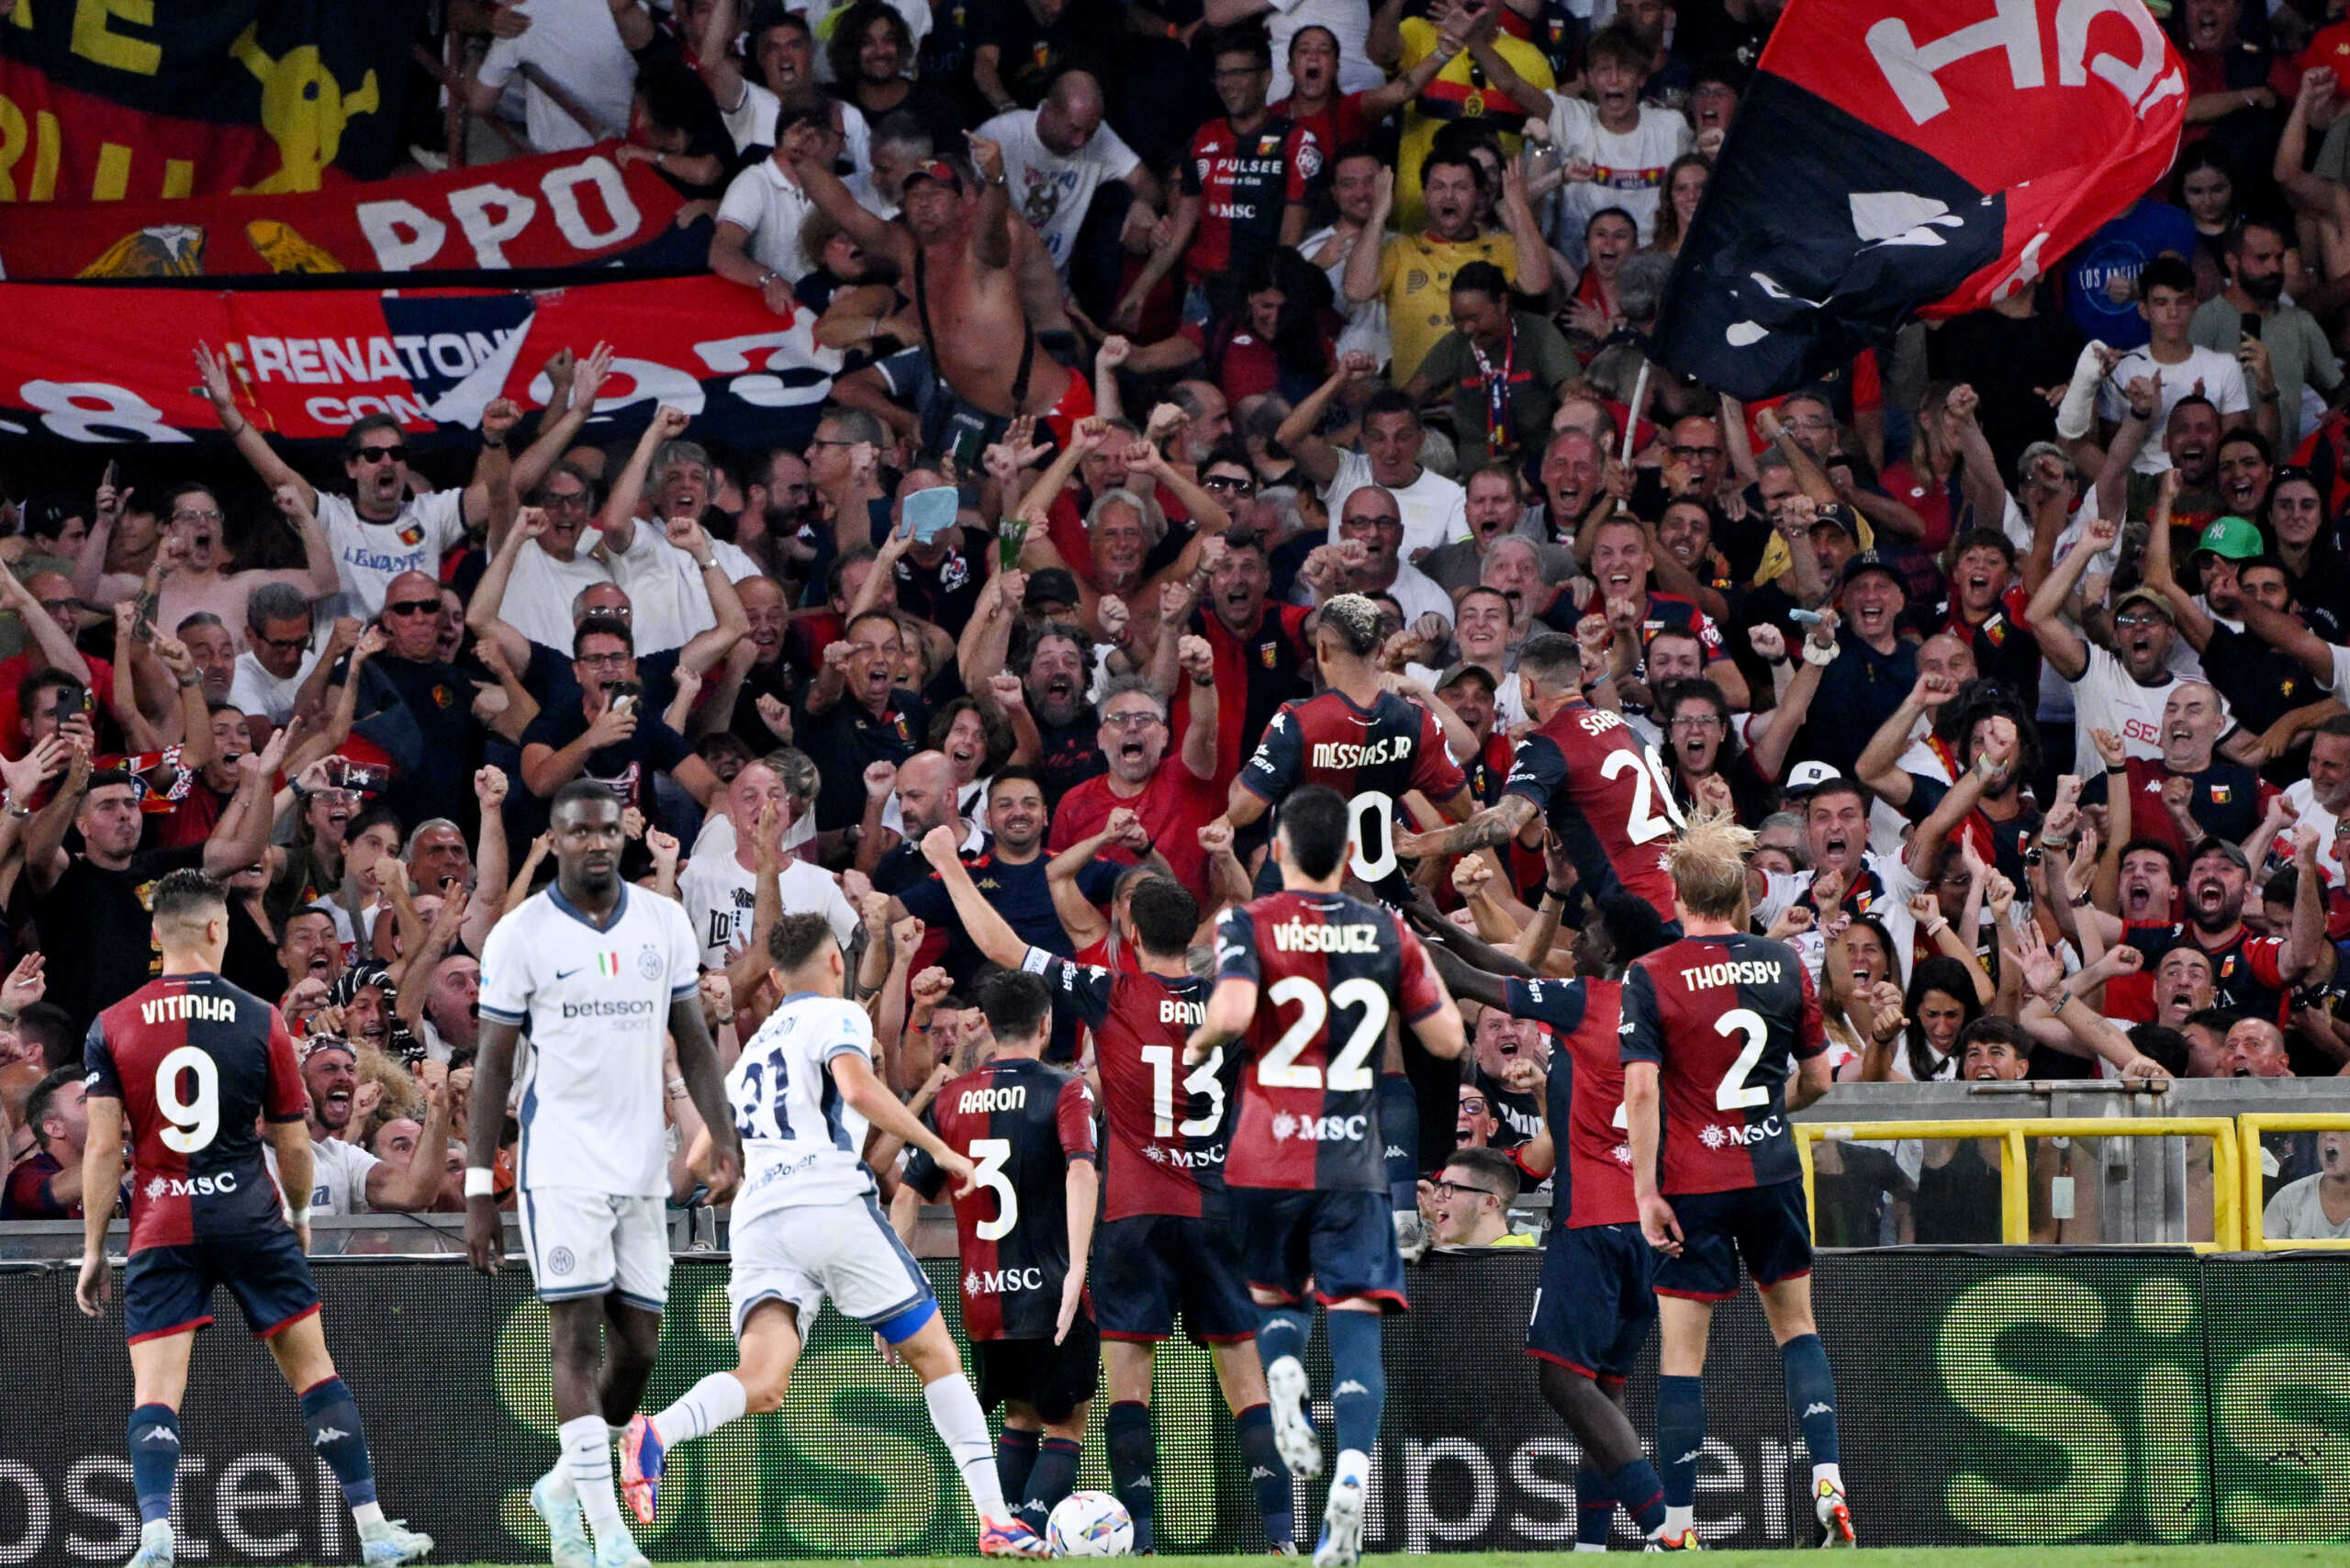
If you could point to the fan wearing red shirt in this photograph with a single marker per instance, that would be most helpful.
(1174, 796)
(1244, 179)
(1258, 647)
(1722, 1041)
(1306, 1167)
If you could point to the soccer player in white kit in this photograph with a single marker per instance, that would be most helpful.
(808, 1226)
(595, 970)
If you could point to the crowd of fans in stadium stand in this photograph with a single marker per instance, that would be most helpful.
(2026, 665)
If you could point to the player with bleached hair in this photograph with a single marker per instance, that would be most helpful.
(1721, 1040)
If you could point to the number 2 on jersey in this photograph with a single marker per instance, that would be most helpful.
(1734, 1093)
(1281, 1070)
(1203, 1080)
(1650, 786)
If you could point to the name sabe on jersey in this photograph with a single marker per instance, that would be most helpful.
(1297, 936)
(188, 1005)
(1735, 972)
(1341, 755)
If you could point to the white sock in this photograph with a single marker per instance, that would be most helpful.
(1679, 1519)
(2076, 415)
(1589, 1546)
(587, 1459)
(1821, 1472)
(703, 1409)
(962, 1425)
(1353, 1464)
(367, 1515)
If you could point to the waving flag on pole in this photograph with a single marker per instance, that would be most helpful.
(1911, 157)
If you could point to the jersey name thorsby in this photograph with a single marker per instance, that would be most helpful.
(1738, 971)
(171, 1009)
(1296, 937)
(979, 1102)
(1351, 754)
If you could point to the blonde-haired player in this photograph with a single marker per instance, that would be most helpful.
(1722, 1039)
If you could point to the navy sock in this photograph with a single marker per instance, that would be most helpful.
(1281, 1331)
(153, 1433)
(1133, 1463)
(1015, 1456)
(1399, 1128)
(1595, 1509)
(1680, 1437)
(1050, 1481)
(1811, 1395)
(1267, 1474)
(1358, 1378)
(1636, 1487)
(337, 1437)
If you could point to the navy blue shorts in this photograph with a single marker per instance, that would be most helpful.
(1052, 1380)
(1768, 1227)
(1340, 1244)
(1597, 1302)
(1146, 1266)
(168, 1290)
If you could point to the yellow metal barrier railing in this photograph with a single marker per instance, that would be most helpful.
(2015, 1168)
(2254, 1123)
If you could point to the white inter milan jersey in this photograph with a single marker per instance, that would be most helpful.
(593, 1004)
(801, 1142)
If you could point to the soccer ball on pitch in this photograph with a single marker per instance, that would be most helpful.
(1090, 1524)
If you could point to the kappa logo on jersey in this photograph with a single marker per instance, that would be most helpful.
(996, 1282)
(1320, 1129)
(1717, 1135)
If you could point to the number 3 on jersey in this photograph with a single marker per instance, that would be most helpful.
(1349, 1072)
(989, 1154)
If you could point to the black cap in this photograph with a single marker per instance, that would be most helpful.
(1872, 561)
(1053, 584)
(1836, 514)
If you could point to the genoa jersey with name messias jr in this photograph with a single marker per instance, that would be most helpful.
(1021, 1122)
(1726, 1018)
(1330, 972)
(1583, 1094)
(1168, 1126)
(1608, 797)
(1373, 756)
(196, 1063)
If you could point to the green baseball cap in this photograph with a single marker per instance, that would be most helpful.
(2232, 537)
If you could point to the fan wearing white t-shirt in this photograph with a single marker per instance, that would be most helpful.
(721, 891)
(1057, 154)
(2121, 692)
(1624, 145)
(1435, 509)
(377, 531)
(2166, 302)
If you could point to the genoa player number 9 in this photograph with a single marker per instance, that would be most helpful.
(1203, 1080)
(1349, 1071)
(194, 1123)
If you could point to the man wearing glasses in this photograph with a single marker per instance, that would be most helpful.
(378, 530)
(1467, 1204)
(416, 707)
(608, 736)
(192, 572)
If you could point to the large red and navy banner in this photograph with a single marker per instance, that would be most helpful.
(562, 209)
(1911, 157)
(103, 100)
(308, 362)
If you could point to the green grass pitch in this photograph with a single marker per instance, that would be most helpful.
(2255, 1556)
